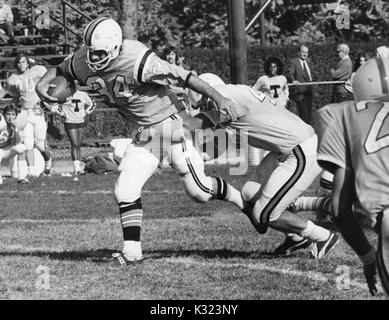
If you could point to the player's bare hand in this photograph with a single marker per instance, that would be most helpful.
(296, 82)
(370, 272)
(41, 90)
(226, 106)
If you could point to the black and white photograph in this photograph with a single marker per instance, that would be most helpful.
(194, 157)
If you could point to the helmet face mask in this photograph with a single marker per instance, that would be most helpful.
(103, 39)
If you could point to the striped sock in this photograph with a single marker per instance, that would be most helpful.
(131, 214)
(224, 191)
(313, 204)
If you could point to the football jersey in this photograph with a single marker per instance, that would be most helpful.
(136, 82)
(23, 86)
(269, 128)
(276, 87)
(76, 108)
(356, 138)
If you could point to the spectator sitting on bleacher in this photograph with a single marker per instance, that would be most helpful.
(6, 23)
(11, 146)
(21, 86)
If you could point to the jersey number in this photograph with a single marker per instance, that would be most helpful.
(120, 88)
(373, 143)
(261, 96)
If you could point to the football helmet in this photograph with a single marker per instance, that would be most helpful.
(103, 38)
(371, 81)
(212, 79)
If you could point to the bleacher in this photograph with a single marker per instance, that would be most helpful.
(41, 45)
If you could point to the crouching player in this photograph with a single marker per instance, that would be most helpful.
(287, 171)
(355, 148)
(10, 141)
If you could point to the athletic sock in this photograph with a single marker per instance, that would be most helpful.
(315, 233)
(131, 214)
(76, 166)
(313, 204)
(224, 191)
(293, 236)
(31, 171)
(22, 169)
(48, 164)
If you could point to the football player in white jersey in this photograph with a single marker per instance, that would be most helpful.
(136, 81)
(273, 83)
(21, 85)
(10, 141)
(74, 111)
(287, 171)
(355, 147)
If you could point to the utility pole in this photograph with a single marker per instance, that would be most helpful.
(237, 41)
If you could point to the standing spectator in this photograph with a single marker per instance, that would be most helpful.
(21, 86)
(300, 71)
(274, 84)
(342, 72)
(74, 111)
(171, 55)
(360, 60)
(6, 21)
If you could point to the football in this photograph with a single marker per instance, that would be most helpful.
(61, 88)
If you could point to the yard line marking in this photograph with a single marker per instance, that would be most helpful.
(263, 267)
(21, 220)
(68, 192)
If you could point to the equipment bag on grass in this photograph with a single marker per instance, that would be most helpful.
(100, 164)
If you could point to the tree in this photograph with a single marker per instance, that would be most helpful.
(126, 11)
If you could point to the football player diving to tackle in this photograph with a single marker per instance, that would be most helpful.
(354, 146)
(287, 171)
(133, 79)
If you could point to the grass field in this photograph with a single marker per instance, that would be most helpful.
(57, 237)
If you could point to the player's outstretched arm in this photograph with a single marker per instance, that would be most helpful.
(342, 201)
(43, 85)
(225, 105)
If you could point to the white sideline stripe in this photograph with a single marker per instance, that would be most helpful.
(59, 192)
(315, 276)
(21, 220)
(263, 267)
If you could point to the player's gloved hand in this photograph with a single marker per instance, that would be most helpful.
(370, 272)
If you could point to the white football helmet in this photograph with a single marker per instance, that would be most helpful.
(371, 81)
(103, 38)
(212, 79)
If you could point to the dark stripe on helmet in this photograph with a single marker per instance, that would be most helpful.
(383, 75)
(90, 29)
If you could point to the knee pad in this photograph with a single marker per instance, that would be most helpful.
(125, 190)
(250, 191)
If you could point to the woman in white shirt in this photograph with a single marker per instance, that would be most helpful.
(273, 83)
(74, 111)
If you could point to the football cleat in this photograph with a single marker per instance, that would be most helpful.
(290, 245)
(124, 261)
(320, 249)
(46, 173)
(23, 181)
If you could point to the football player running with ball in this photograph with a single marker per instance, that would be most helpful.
(134, 80)
(287, 171)
(355, 148)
